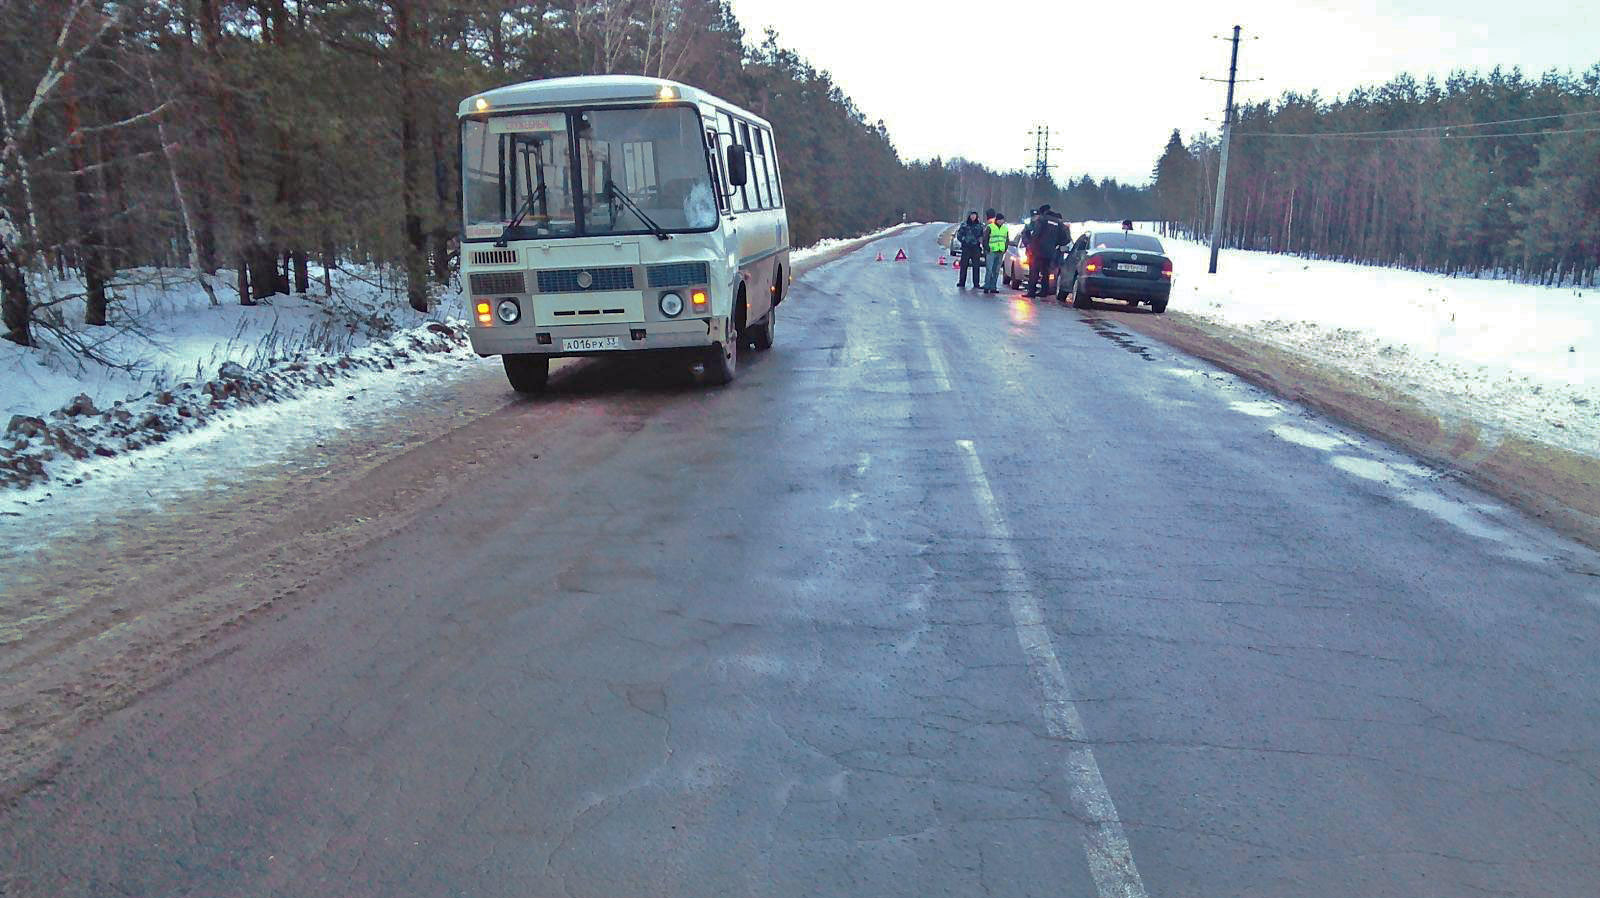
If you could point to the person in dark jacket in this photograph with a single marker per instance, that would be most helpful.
(972, 236)
(1047, 235)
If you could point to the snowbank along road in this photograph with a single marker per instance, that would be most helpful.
(947, 595)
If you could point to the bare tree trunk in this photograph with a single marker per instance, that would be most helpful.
(243, 281)
(302, 272)
(186, 220)
(255, 255)
(410, 159)
(444, 208)
(15, 310)
(91, 234)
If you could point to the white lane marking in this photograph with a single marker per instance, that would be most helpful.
(1104, 842)
(941, 372)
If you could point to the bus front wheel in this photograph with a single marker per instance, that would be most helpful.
(527, 372)
(722, 362)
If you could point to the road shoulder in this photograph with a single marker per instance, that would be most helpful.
(1559, 488)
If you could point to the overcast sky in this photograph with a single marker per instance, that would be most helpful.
(1112, 79)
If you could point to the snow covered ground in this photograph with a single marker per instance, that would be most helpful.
(163, 330)
(1515, 358)
(169, 363)
(822, 246)
(181, 376)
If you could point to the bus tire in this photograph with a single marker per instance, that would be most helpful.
(762, 335)
(527, 372)
(722, 362)
(722, 359)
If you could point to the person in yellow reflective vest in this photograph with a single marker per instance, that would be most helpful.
(997, 251)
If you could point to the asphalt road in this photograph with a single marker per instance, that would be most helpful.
(947, 595)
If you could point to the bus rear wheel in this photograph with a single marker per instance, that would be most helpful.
(762, 335)
(527, 372)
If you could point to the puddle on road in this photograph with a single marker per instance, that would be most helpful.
(1310, 439)
(1413, 485)
(1368, 469)
(1256, 408)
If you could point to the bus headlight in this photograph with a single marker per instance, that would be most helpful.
(671, 305)
(508, 311)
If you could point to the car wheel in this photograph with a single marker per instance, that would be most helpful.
(527, 372)
(761, 339)
(1080, 299)
(1158, 306)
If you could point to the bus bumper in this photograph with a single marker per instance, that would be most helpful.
(692, 333)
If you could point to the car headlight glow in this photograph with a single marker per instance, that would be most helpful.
(671, 305)
(508, 311)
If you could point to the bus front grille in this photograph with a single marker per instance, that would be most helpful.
(495, 257)
(678, 274)
(497, 282)
(572, 280)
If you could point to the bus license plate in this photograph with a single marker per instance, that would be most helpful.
(1123, 266)
(590, 344)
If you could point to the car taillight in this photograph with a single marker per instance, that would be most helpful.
(1166, 268)
(1092, 264)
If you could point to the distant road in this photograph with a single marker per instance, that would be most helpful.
(946, 595)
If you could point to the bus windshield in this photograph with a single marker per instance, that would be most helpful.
(517, 165)
(640, 170)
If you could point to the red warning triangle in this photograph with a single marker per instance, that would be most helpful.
(880, 257)
(900, 255)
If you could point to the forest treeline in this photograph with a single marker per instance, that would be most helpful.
(275, 137)
(1018, 193)
(1494, 174)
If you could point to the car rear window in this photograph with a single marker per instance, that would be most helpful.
(1125, 240)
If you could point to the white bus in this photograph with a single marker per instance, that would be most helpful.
(614, 213)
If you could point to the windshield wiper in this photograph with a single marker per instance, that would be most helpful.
(631, 206)
(522, 211)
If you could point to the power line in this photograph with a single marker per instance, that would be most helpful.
(1353, 137)
(1509, 121)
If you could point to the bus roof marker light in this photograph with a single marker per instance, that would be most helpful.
(666, 92)
(480, 104)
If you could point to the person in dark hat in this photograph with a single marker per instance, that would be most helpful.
(1047, 234)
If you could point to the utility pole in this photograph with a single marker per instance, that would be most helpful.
(1222, 164)
(1041, 160)
(1041, 150)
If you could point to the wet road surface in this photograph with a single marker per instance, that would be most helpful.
(948, 595)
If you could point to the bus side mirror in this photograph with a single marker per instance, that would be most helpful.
(738, 173)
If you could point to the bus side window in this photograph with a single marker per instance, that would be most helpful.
(765, 173)
(726, 137)
(751, 186)
(716, 171)
(773, 179)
